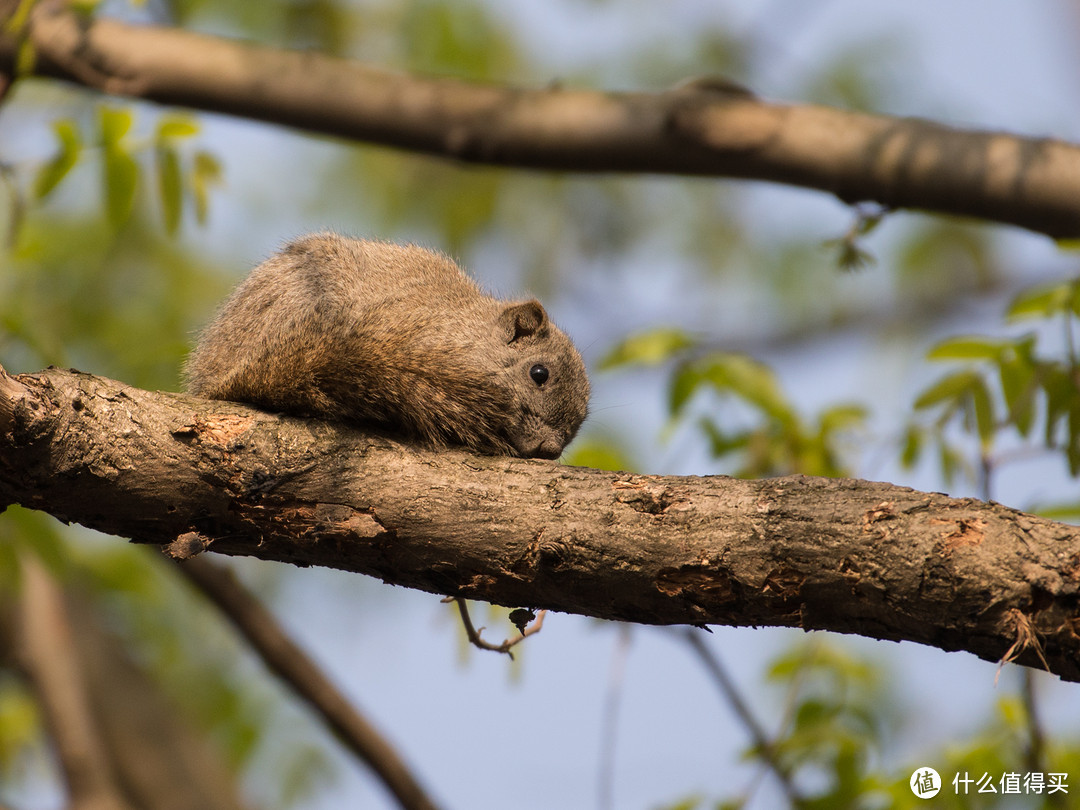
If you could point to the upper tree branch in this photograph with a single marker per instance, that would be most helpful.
(844, 555)
(700, 128)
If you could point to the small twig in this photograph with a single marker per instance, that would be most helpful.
(474, 634)
(730, 692)
(851, 255)
(285, 658)
(1036, 738)
(1035, 753)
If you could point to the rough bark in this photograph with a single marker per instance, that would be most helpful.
(845, 555)
(702, 127)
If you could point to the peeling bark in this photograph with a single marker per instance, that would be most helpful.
(845, 555)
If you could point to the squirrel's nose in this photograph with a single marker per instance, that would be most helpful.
(550, 447)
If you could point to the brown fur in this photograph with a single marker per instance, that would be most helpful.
(395, 336)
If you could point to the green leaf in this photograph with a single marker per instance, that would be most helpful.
(1018, 387)
(841, 417)
(169, 183)
(114, 123)
(19, 722)
(951, 462)
(18, 20)
(1061, 512)
(689, 803)
(1041, 302)
(814, 716)
(121, 172)
(172, 127)
(1061, 396)
(686, 382)
(750, 380)
(1072, 449)
(721, 443)
(850, 257)
(16, 212)
(913, 439)
(121, 178)
(647, 348)
(967, 348)
(206, 173)
(1074, 301)
(598, 454)
(50, 175)
(948, 389)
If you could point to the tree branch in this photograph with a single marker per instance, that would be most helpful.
(701, 127)
(285, 658)
(845, 555)
(763, 746)
(119, 741)
(474, 635)
(47, 653)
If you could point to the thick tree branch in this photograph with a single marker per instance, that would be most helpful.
(845, 555)
(698, 128)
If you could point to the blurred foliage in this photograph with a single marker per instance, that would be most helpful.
(763, 434)
(858, 76)
(121, 303)
(838, 719)
(113, 147)
(600, 454)
(1007, 385)
(20, 727)
(836, 744)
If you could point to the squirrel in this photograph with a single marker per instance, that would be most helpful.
(398, 337)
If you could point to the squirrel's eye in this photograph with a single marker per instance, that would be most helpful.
(539, 374)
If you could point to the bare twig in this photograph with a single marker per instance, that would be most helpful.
(474, 635)
(1035, 750)
(1036, 737)
(285, 658)
(730, 692)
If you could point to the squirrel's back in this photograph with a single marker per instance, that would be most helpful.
(396, 336)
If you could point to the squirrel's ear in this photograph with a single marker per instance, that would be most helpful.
(522, 320)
